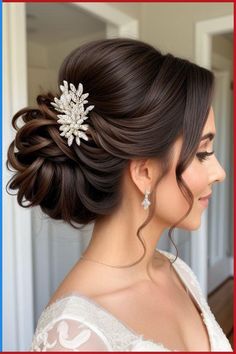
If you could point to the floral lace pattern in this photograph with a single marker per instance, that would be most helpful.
(77, 323)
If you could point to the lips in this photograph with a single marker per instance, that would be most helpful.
(204, 201)
(206, 197)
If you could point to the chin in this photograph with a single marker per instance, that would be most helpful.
(189, 224)
(192, 225)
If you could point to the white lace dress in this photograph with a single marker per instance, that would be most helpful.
(77, 323)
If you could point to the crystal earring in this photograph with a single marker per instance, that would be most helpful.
(146, 202)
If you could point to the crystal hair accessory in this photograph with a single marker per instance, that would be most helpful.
(71, 103)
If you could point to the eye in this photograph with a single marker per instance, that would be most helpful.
(204, 155)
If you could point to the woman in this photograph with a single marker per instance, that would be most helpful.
(141, 163)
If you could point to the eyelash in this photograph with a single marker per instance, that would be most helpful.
(204, 155)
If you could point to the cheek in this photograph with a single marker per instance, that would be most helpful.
(171, 205)
(196, 178)
(170, 202)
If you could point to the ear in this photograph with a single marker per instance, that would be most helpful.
(143, 173)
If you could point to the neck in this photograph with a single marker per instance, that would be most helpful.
(115, 242)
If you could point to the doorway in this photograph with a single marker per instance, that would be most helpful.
(205, 240)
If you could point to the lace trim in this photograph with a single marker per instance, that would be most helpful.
(217, 338)
(121, 337)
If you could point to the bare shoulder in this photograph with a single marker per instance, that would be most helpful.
(104, 284)
(86, 280)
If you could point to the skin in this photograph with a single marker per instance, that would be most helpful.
(114, 240)
(150, 285)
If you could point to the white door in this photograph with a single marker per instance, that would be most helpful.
(220, 213)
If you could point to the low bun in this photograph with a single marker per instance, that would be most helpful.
(67, 184)
(45, 169)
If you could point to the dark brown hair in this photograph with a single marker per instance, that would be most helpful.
(144, 100)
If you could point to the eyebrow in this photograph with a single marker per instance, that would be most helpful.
(209, 136)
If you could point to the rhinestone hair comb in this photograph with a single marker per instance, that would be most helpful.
(71, 103)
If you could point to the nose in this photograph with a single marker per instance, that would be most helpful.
(219, 174)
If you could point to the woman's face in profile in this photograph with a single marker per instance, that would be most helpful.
(199, 176)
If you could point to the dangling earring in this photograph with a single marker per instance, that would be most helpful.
(146, 202)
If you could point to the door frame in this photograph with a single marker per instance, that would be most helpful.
(204, 30)
(119, 24)
(17, 248)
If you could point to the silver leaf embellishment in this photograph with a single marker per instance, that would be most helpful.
(71, 104)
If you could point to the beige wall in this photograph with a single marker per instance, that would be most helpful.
(170, 26)
(131, 9)
(44, 62)
(223, 47)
